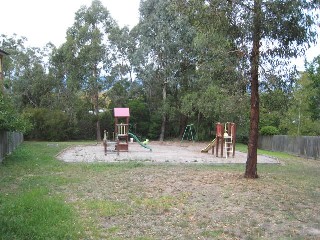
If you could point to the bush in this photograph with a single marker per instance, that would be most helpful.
(10, 119)
(242, 138)
(269, 131)
(50, 125)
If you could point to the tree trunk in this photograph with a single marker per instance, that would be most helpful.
(164, 115)
(96, 104)
(251, 165)
(96, 110)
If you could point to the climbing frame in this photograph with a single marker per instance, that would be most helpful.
(121, 128)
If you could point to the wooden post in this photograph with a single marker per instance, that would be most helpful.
(219, 139)
(233, 132)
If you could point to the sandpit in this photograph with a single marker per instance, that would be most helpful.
(162, 152)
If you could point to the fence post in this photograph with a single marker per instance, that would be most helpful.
(9, 141)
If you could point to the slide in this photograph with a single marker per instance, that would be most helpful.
(138, 141)
(207, 148)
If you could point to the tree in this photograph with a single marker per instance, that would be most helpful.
(313, 71)
(123, 47)
(298, 119)
(273, 30)
(10, 118)
(26, 74)
(165, 40)
(217, 87)
(88, 55)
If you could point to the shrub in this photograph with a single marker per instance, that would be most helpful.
(50, 125)
(10, 119)
(269, 131)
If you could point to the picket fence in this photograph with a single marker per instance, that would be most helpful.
(8, 142)
(304, 146)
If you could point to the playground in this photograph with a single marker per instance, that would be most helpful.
(128, 147)
(162, 152)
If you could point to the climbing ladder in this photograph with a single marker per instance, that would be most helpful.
(188, 133)
(228, 144)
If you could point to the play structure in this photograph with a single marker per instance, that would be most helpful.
(225, 141)
(121, 133)
(121, 128)
(189, 133)
(142, 144)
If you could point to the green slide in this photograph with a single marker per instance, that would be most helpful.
(138, 141)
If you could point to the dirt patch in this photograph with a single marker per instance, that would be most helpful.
(180, 201)
(182, 196)
(164, 152)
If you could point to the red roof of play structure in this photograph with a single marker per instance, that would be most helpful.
(121, 112)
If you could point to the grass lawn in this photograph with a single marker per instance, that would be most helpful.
(43, 198)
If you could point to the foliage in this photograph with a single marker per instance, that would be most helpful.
(298, 120)
(154, 126)
(273, 31)
(88, 53)
(52, 125)
(269, 131)
(165, 39)
(139, 117)
(10, 119)
(313, 71)
(274, 105)
(186, 62)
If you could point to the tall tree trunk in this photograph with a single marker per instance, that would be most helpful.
(251, 165)
(96, 109)
(164, 115)
(96, 104)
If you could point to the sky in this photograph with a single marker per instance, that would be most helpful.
(43, 21)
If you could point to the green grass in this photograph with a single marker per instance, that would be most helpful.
(34, 214)
(32, 200)
(44, 198)
(244, 148)
(28, 207)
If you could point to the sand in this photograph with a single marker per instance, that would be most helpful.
(162, 152)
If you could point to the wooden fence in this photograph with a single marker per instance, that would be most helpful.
(303, 146)
(8, 142)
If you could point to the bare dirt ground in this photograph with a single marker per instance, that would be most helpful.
(162, 152)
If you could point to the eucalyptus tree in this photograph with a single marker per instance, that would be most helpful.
(123, 47)
(265, 34)
(313, 71)
(298, 120)
(32, 86)
(164, 40)
(26, 73)
(269, 31)
(122, 76)
(88, 53)
(15, 46)
(216, 83)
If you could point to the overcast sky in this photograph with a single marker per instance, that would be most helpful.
(43, 21)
